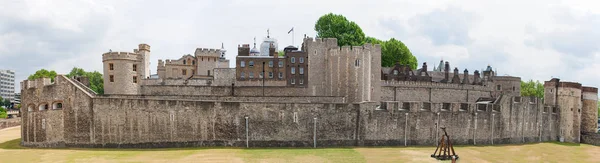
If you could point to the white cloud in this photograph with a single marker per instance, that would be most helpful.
(532, 39)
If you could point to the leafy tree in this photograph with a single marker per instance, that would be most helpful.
(393, 51)
(6, 103)
(532, 88)
(373, 40)
(96, 79)
(281, 53)
(337, 26)
(18, 106)
(43, 73)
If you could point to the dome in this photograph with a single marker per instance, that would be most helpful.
(266, 44)
(254, 51)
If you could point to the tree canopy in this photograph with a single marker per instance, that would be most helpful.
(43, 73)
(95, 77)
(532, 88)
(349, 33)
(337, 26)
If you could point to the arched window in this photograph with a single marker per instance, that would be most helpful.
(395, 72)
(293, 60)
(184, 62)
(57, 106)
(193, 62)
(43, 107)
(30, 107)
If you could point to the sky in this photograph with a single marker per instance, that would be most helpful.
(533, 39)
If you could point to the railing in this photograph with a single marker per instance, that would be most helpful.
(83, 87)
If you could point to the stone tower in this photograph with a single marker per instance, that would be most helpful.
(589, 110)
(144, 52)
(566, 97)
(123, 71)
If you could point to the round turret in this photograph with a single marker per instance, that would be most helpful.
(122, 71)
(569, 102)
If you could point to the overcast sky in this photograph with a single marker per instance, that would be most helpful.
(534, 39)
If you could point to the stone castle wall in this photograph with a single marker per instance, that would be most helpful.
(169, 121)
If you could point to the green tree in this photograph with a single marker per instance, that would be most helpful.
(95, 77)
(393, 51)
(337, 26)
(6, 103)
(43, 73)
(532, 88)
(373, 40)
(281, 53)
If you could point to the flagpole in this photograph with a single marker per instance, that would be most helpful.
(293, 36)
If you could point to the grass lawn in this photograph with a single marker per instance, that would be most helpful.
(543, 152)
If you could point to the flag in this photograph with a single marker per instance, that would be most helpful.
(291, 30)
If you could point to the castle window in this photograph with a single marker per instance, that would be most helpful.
(301, 69)
(293, 60)
(516, 99)
(30, 108)
(57, 106)
(301, 81)
(481, 107)
(184, 62)
(43, 107)
(280, 75)
(251, 75)
(514, 89)
(183, 72)
(280, 63)
(134, 79)
(251, 64)
(112, 78)
(260, 75)
(426, 106)
(270, 63)
(546, 109)
(242, 63)
(293, 81)
(498, 87)
(357, 63)
(301, 60)
(395, 72)
(293, 71)
(405, 106)
(194, 62)
(554, 109)
(242, 74)
(111, 66)
(445, 107)
(134, 67)
(464, 107)
(550, 90)
(271, 75)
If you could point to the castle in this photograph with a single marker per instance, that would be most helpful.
(319, 95)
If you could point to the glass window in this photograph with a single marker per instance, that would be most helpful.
(301, 81)
(293, 81)
(293, 60)
(111, 66)
(293, 70)
(301, 59)
(112, 78)
(183, 72)
(280, 63)
(270, 63)
(184, 62)
(301, 69)
(251, 64)
(134, 67)
(271, 75)
(251, 75)
(260, 75)
(395, 72)
(134, 79)
(242, 63)
(280, 75)
(242, 75)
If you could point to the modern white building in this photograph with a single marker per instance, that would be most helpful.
(7, 84)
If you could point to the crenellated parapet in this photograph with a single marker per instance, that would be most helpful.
(205, 52)
(418, 84)
(120, 56)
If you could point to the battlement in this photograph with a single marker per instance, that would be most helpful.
(144, 47)
(393, 83)
(207, 52)
(120, 56)
(161, 63)
(37, 83)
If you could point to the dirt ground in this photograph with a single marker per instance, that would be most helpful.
(543, 152)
